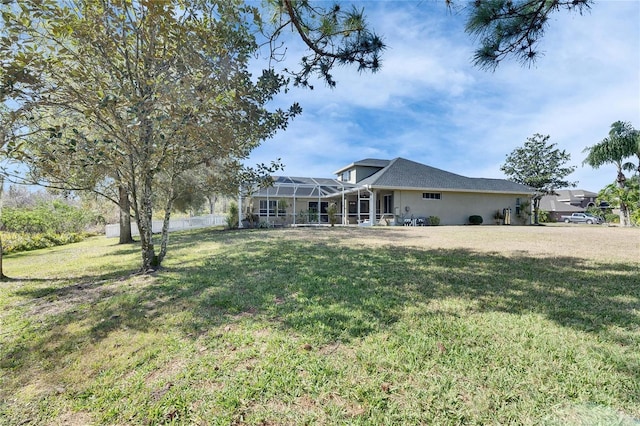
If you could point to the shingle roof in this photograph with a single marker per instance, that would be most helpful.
(402, 173)
(574, 194)
(367, 162)
(551, 203)
(398, 173)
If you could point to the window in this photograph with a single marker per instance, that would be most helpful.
(273, 204)
(517, 206)
(313, 211)
(431, 195)
(388, 203)
(282, 207)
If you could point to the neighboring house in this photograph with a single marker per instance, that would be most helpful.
(577, 197)
(567, 201)
(395, 191)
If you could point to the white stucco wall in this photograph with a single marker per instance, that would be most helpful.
(454, 208)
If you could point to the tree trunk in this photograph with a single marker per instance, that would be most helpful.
(624, 210)
(144, 191)
(625, 219)
(145, 225)
(3, 277)
(212, 203)
(125, 215)
(536, 209)
(165, 232)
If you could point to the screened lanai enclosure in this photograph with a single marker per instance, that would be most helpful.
(300, 201)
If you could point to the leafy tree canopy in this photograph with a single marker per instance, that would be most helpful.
(539, 165)
(138, 93)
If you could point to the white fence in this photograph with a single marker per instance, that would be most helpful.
(113, 230)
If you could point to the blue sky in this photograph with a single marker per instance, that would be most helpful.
(429, 104)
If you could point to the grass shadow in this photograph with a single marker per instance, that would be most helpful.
(306, 286)
(325, 292)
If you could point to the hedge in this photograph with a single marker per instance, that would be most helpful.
(13, 242)
(475, 219)
(47, 218)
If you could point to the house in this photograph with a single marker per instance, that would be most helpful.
(577, 197)
(567, 201)
(398, 191)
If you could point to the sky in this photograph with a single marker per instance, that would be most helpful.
(430, 104)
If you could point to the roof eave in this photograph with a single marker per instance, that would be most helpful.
(339, 171)
(483, 191)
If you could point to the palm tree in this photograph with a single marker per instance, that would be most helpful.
(622, 143)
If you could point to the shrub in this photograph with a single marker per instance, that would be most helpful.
(303, 216)
(525, 213)
(232, 216)
(475, 219)
(543, 216)
(312, 216)
(282, 208)
(13, 242)
(332, 211)
(47, 218)
(612, 218)
(434, 220)
(251, 220)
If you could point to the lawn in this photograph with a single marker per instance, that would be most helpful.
(377, 326)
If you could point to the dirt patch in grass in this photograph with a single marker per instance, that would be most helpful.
(167, 372)
(596, 243)
(60, 298)
(75, 419)
(61, 301)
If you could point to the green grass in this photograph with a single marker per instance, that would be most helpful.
(279, 327)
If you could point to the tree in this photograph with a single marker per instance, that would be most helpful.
(22, 83)
(74, 169)
(628, 196)
(513, 27)
(149, 89)
(622, 144)
(539, 165)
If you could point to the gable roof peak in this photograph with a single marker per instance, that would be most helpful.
(367, 162)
